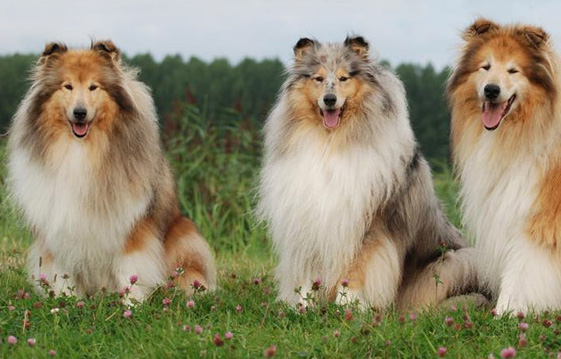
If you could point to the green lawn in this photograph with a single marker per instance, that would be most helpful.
(217, 178)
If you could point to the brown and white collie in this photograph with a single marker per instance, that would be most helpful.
(506, 138)
(88, 172)
(345, 191)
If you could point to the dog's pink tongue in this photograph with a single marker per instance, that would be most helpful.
(492, 113)
(80, 129)
(331, 118)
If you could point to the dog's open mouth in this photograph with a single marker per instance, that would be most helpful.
(493, 113)
(80, 129)
(331, 118)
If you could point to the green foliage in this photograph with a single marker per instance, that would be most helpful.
(447, 189)
(216, 164)
(14, 74)
(250, 86)
(429, 113)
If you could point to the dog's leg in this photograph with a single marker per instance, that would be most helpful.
(374, 277)
(46, 275)
(186, 250)
(451, 274)
(531, 280)
(295, 282)
(142, 256)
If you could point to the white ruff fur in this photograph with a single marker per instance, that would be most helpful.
(320, 198)
(497, 201)
(84, 243)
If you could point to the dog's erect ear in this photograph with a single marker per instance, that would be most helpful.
(108, 49)
(303, 46)
(52, 49)
(478, 28)
(536, 36)
(358, 45)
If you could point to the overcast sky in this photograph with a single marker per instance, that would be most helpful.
(398, 30)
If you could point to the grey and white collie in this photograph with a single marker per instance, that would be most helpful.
(346, 193)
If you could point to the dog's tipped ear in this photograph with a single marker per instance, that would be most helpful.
(536, 36)
(108, 49)
(303, 46)
(52, 49)
(478, 28)
(358, 45)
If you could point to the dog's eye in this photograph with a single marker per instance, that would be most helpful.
(486, 67)
(512, 71)
(93, 87)
(318, 79)
(343, 78)
(68, 87)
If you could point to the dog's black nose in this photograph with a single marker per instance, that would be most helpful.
(329, 99)
(492, 91)
(80, 113)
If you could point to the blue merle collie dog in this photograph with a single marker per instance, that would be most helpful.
(347, 195)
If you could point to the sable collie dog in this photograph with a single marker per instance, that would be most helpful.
(87, 170)
(345, 191)
(506, 137)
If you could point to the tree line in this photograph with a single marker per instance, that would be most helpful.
(249, 88)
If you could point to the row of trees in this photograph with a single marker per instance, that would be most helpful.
(248, 88)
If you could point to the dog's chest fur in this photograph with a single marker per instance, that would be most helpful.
(497, 198)
(320, 202)
(57, 202)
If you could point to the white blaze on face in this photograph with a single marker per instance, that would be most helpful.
(331, 113)
(80, 98)
(506, 77)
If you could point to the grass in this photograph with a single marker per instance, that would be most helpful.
(216, 167)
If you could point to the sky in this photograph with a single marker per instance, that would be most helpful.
(398, 30)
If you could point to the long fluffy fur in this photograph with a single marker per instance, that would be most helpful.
(102, 207)
(355, 202)
(510, 176)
